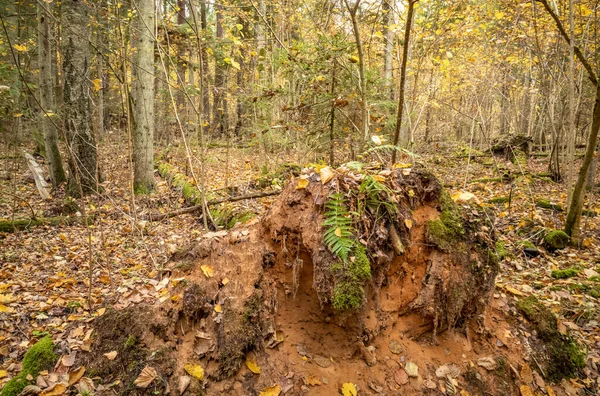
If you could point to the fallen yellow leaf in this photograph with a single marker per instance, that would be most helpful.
(526, 390)
(208, 271)
(218, 308)
(3, 373)
(302, 183)
(408, 223)
(251, 364)
(379, 178)
(4, 308)
(6, 298)
(513, 291)
(349, 389)
(195, 371)
(274, 390)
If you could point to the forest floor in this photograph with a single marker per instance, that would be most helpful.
(45, 271)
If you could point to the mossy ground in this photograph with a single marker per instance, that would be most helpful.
(448, 229)
(563, 356)
(38, 358)
(240, 332)
(348, 293)
(501, 250)
(547, 204)
(564, 274)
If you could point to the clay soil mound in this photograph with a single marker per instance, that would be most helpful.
(268, 307)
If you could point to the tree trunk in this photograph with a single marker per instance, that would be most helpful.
(143, 99)
(220, 95)
(361, 71)
(576, 205)
(76, 93)
(205, 69)
(388, 47)
(411, 8)
(57, 173)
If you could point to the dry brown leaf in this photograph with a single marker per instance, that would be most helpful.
(76, 375)
(85, 385)
(526, 374)
(488, 363)
(146, 377)
(184, 382)
(526, 390)
(111, 355)
(401, 377)
(54, 390)
(68, 360)
(311, 380)
(326, 174)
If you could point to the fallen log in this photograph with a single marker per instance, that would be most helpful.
(195, 208)
(23, 224)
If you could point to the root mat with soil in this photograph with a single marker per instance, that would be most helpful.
(371, 281)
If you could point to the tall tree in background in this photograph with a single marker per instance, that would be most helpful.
(142, 94)
(83, 178)
(220, 115)
(572, 223)
(46, 80)
(388, 46)
(407, 29)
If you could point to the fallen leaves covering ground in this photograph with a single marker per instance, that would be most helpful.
(45, 272)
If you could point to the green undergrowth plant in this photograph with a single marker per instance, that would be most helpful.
(339, 232)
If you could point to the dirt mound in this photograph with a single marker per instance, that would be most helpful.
(376, 279)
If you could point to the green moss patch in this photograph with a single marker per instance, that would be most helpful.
(239, 333)
(562, 355)
(38, 358)
(499, 200)
(565, 274)
(525, 244)
(501, 251)
(556, 240)
(448, 229)
(347, 295)
(547, 204)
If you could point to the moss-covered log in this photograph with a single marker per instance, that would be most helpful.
(24, 224)
(38, 358)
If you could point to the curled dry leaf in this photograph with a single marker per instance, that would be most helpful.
(311, 380)
(326, 174)
(146, 377)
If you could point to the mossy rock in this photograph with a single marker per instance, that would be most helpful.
(562, 356)
(556, 240)
(38, 358)
(565, 274)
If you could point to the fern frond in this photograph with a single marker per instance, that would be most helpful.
(339, 235)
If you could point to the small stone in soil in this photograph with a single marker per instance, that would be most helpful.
(395, 347)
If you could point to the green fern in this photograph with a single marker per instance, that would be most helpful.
(339, 234)
(373, 191)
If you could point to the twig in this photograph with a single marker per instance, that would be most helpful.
(191, 209)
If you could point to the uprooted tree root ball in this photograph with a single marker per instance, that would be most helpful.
(345, 266)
